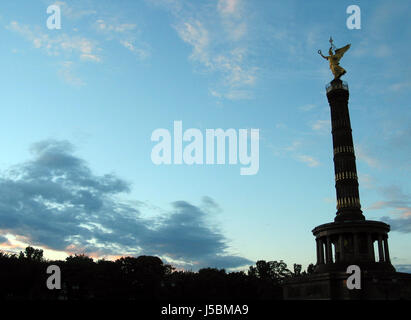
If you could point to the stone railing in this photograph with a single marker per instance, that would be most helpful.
(336, 85)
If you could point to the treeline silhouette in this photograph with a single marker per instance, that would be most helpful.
(24, 277)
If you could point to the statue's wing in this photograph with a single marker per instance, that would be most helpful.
(340, 52)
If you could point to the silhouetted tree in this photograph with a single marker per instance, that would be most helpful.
(143, 274)
(310, 268)
(145, 277)
(79, 276)
(32, 254)
(275, 271)
(297, 270)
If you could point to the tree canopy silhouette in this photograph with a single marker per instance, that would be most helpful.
(24, 276)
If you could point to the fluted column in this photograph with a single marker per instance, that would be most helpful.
(318, 250)
(346, 180)
(341, 243)
(321, 251)
(355, 243)
(328, 251)
(380, 249)
(371, 253)
(387, 254)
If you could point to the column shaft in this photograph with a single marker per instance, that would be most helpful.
(318, 250)
(380, 249)
(356, 248)
(328, 251)
(321, 251)
(346, 182)
(387, 253)
(371, 253)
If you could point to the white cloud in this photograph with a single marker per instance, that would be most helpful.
(84, 48)
(236, 74)
(366, 181)
(232, 19)
(90, 57)
(66, 72)
(383, 51)
(294, 150)
(309, 160)
(401, 208)
(216, 34)
(141, 53)
(367, 48)
(119, 28)
(362, 155)
(125, 34)
(406, 85)
(68, 47)
(215, 93)
(228, 6)
(294, 146)
(238, 95)
(197, 36)
(322, 125)
(72, 12)
(237, 31)
(307, 107)
(175, 6)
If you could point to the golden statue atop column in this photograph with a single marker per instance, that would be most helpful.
(334, 59)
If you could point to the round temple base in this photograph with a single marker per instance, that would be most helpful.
(340, 244)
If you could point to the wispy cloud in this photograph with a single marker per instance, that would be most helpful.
(231, 12)
(280, 125)
(322, 125)
(228, 7)
(397, 200)
(363, 155)
(66, 72)
(71, 49)
(126, 34)
(400, 86)
(61, 43)
(307, 107)
(237, 77)
(399, 205)
(215, 34)
(195, 34)
(399, 224)
(366, 181)
(118, 28)
(294, 146)
(309, 160)
(74, 11)
(142, 53)
(296, 152)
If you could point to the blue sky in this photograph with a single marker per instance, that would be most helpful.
(79, 105)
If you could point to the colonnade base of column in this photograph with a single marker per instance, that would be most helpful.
(349, 215)
(375, 285)
(362, 243)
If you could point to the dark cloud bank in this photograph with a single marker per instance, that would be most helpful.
(403, 268)
(400, 205)
(56, 201)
